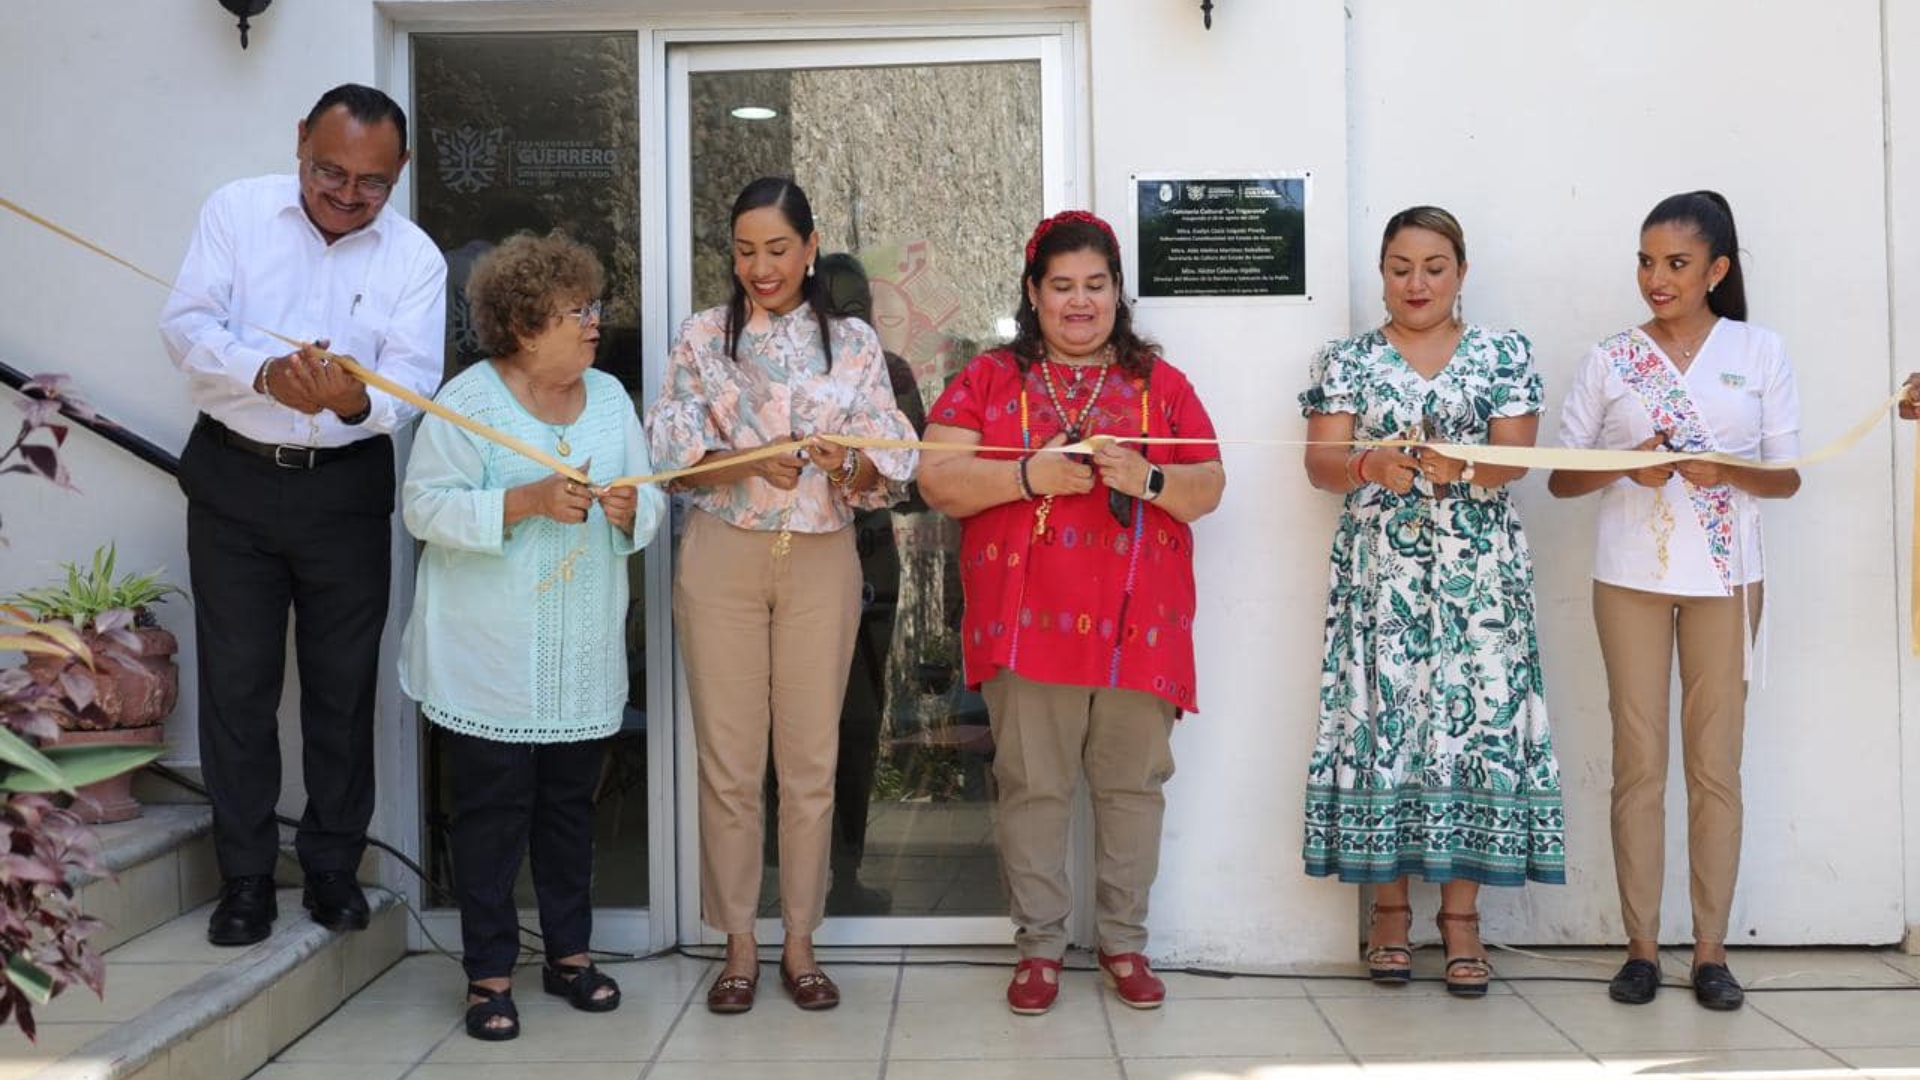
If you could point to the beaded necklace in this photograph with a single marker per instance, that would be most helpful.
(1074, 428)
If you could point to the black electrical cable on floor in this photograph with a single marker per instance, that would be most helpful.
(611, 958)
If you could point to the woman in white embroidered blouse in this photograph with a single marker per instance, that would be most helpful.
(1678, 560)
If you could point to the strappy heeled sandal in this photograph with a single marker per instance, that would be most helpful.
(497, 1005)
(581, 986)
(1390, 965)
(1467, 976)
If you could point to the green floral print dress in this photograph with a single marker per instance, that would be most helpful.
(1433, 756)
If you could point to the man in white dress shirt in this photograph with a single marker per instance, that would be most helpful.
(289, 478)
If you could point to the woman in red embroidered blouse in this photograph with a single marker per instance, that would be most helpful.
(1078, 574)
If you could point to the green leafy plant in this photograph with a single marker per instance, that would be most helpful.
(86, 596)
(44, 848)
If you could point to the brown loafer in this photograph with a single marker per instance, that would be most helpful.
(810, 990)
(731, 994)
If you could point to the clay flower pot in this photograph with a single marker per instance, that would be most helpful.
(122, 699)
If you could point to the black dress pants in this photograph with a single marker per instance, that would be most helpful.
(261, 540)
(515, 798)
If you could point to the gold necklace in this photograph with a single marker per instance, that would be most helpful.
(1686, 352)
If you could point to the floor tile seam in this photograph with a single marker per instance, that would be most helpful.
(686, 1004)
(1534, 1007)
(1881, 959)
(1756, 1005)
(893, 1015)
(1332, 1029)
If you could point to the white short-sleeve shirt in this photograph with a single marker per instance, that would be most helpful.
(1741, 383)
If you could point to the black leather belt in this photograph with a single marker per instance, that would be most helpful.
(285, 455)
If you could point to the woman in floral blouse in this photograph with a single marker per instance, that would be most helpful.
(767, 596)
(1079, 591)
(1433, 756)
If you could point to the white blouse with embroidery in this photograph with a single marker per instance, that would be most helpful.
(1741, 383)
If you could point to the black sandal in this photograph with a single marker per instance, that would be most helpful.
(498, 1004)
(1467, 976)
(581, 986)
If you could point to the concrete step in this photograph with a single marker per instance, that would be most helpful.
(162, 864)
(177, 1008)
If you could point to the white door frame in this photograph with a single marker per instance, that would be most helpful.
(1060, 126)
(1059, 41)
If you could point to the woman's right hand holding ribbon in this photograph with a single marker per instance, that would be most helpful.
(1653, 476)
(1058, 474)
(1391, 469)
(558, 497)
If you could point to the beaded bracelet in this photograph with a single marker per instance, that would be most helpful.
(1356, 468)
(1020, 476)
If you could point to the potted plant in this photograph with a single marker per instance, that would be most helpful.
(43, 934)
(131, 684)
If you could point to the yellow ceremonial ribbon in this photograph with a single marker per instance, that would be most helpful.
(1529, 457)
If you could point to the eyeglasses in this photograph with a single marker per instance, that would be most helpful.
(333, 178)
(586, 313)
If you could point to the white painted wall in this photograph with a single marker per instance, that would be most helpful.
(1264, 90)
(1902, 46)
(120, 118)
(1550, 130)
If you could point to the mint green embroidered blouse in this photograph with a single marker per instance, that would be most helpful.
(503, 642)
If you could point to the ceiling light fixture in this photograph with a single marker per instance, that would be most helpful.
(754, 112)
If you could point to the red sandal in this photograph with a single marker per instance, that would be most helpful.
(1139, 988)
(1030, 993)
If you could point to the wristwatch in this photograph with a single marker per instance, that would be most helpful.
(1156, 483)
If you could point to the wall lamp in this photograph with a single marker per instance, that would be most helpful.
(1206, 12)
(245, 9)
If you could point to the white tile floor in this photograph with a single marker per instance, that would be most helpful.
(1814, 1014)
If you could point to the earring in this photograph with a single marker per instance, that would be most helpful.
(1712, 286)
(809, 269)
(1459, 308)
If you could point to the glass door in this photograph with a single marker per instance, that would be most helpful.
(927, 163)
(539, 132)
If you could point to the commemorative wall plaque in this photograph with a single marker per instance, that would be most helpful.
(1222, 237)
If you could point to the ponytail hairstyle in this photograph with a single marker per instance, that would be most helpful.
(792, 202)
(1062, 234)
(1712, 218)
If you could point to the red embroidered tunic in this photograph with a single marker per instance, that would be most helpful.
(1090, 602)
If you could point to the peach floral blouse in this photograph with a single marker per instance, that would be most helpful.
(779, 387)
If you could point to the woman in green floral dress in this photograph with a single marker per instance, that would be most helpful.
(1433, 756)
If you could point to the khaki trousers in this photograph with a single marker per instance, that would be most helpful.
(1638, 634)
(1044, 736)
(767, 642)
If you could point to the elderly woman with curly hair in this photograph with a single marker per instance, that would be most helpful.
(514, 649)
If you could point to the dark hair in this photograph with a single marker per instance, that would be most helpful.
(845, 291)
(1712, 218)
(365, 104)
(1132, 352)
(793, 205)
(1431, 218)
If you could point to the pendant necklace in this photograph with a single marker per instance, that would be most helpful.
(560, 436)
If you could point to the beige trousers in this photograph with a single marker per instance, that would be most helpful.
(1638, 635)
(1044, 736)
(767, 642)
